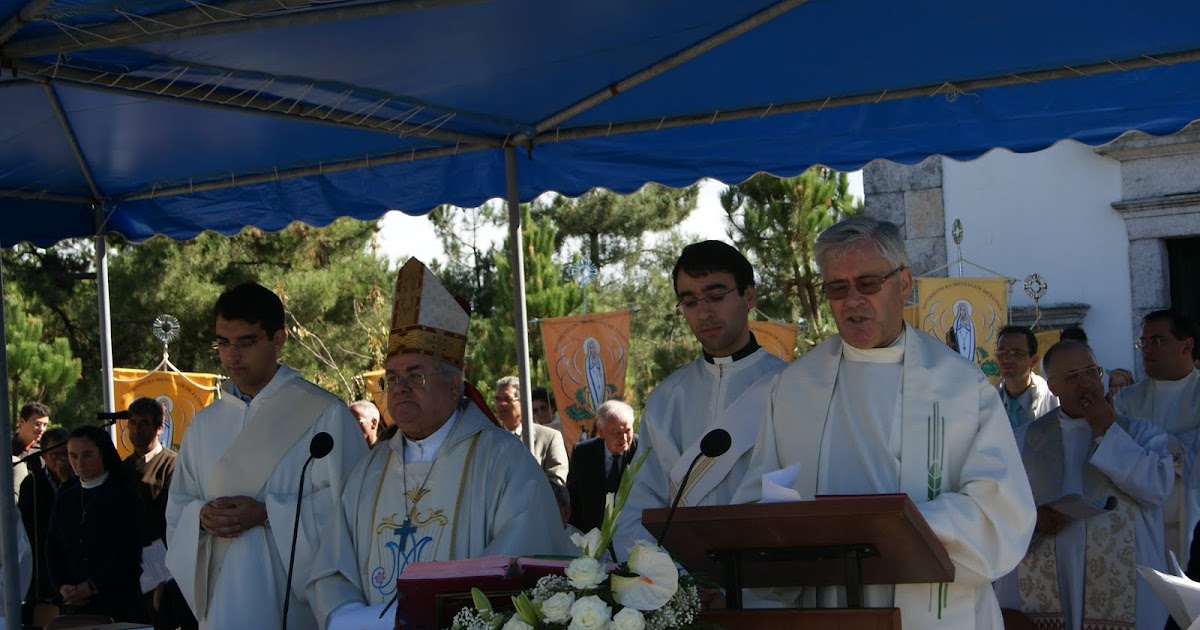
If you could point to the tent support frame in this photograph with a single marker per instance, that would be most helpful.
(520, 321)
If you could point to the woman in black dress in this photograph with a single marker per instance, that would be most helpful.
(94, 550)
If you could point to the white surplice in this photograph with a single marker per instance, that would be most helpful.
(1132, 454)
(1175, 407)
(248, 591)
(482, 494)
(694, 399)
(915, 418)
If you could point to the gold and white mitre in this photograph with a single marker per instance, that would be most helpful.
(426, 318)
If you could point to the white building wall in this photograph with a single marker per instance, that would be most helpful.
(1050, 213)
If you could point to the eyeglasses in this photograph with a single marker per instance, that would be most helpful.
(224, 345)
(411, 380)
(866, 285)
(712, 299)
(1011, 354)
(1152, 343)
(507, 401)
(1073, 377)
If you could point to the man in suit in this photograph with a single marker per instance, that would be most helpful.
(597, 464)
(548, 447)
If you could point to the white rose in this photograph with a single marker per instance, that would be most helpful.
(590, 613)
(589, 542)
(585, 573)
(627, 619)
(655, 581)
(515, 623)
(557, 609)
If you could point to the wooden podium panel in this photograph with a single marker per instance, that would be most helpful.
(863, 619)
(778, 541)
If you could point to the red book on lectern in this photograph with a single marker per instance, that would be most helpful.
(431, 593)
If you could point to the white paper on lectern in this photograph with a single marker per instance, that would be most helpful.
(360, 617)
(777, 485)
(1179, 595)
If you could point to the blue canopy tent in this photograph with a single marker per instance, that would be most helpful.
(171, 117)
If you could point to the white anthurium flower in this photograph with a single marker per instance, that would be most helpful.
(585, 573)
(557, 609)
(516, 624)
(628, 619)
(655, 582)
(589, 542)
(590, 613)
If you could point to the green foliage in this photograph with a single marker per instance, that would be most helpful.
(40, 367)
(775, 221)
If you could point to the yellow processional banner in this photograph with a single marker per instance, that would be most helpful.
(778, 339)
(967, 314)
(374, 384)
(587, 356)
(181, 394)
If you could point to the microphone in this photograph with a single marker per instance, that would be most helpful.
(712, 445)
(113, 415)
(320, 446)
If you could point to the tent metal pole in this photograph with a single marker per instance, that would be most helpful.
(675, 60)
(8, 507)
(22, 17)
(43, 196)
(214, 19)
(106, 359)
(518, 280)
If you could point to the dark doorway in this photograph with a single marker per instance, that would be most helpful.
(1183, 258)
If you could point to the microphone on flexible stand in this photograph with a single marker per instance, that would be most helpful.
(712, 445)
(319, 447)
(113, 415)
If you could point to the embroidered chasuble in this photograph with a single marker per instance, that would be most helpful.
(1084, 577)
(482, 495)
(916, 418)
(693, 400)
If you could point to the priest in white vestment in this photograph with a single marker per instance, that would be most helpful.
(882, 408)
(725, 388)
(1170, 398)
(449, 485)
(1025, 395)
(1082, 570)
(233, 497)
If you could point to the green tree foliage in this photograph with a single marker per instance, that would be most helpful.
(775, 222)
(612, 226)
(39, 367)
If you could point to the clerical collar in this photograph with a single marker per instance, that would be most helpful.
(94, 483)
(424, 450)
(746, 351)
(893, 353)
(154, 451)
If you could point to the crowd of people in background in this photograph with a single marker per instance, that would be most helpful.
(204, 537)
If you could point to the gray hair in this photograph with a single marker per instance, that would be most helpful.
(847, 232)
(509, 381)
(450, 368)
(613, 409)
(366, 407)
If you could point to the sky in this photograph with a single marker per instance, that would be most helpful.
(402, 236)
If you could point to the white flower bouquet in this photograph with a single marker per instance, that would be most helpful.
(644, 593)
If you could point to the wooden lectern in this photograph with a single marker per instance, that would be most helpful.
(840, 540)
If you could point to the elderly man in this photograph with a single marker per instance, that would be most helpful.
(725, 388)
(548, 447)
(367, 415)
(597, 464)
(234, 494)
(1170, 398)
(449, 485)
(39, 491)
(1024, 394)
(1086, 448)
(876, 408)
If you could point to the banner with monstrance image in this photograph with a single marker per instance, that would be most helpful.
(965, 313)
(587, 356)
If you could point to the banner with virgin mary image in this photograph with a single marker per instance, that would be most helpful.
(967, 314)
(587, 356)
